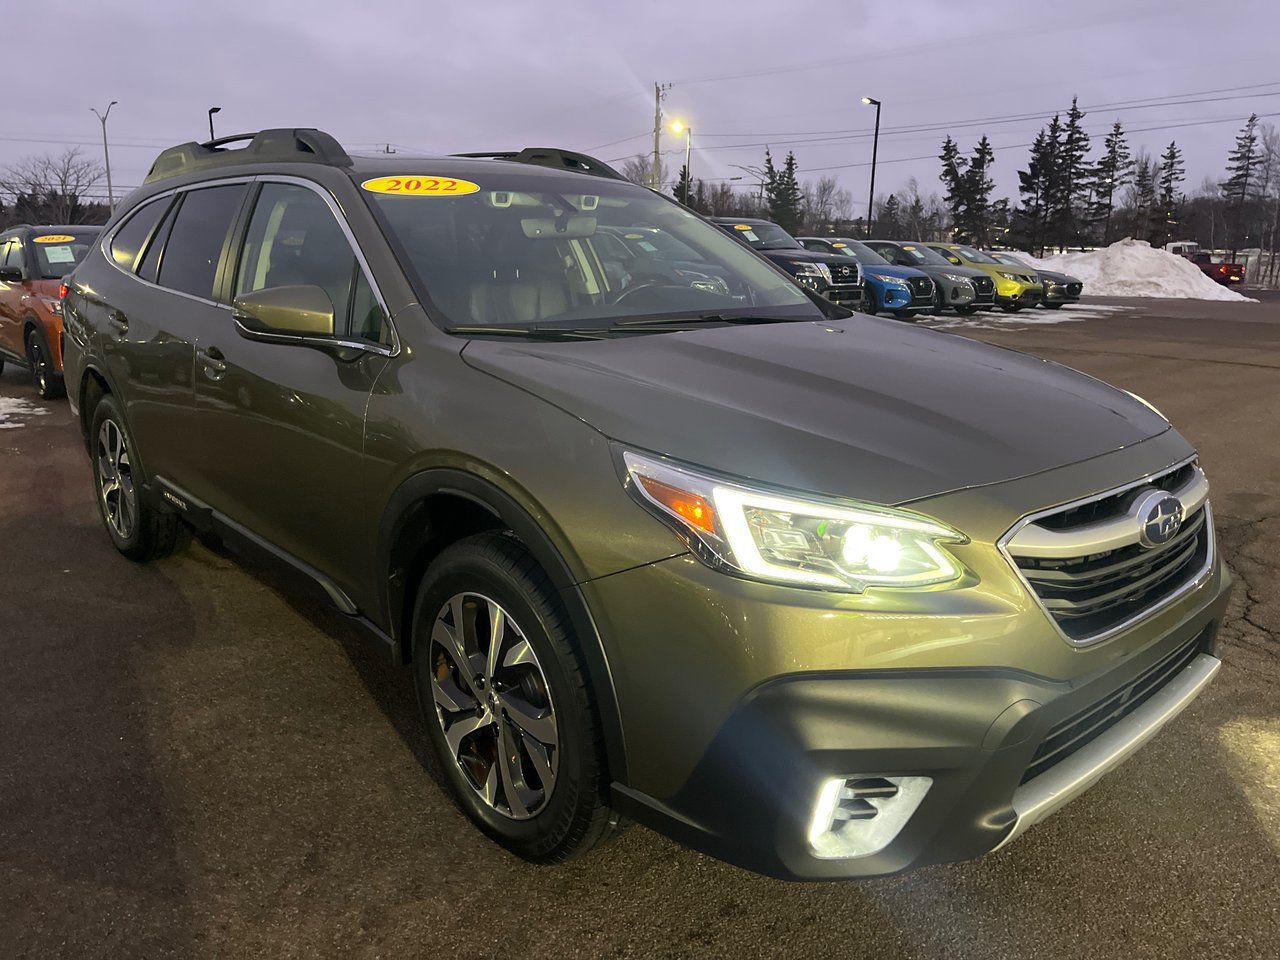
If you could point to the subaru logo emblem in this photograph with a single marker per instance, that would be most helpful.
(1159, 516)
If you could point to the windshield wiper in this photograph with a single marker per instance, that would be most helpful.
(641, 323)
(535, 332)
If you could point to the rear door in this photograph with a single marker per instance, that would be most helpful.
(281, 426)
(171, 250)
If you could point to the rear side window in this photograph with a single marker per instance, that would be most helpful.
(195, 241)
(127, 242)
(149, 269)
(13, 254)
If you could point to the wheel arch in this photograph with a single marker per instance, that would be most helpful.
(409, 536)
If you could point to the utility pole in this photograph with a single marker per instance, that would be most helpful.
(875, 147)
(659, 92)
(106, 154)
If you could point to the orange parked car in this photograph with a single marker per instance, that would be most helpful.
(33, 261)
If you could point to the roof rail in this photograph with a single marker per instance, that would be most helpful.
(301, 145)
(552, 157)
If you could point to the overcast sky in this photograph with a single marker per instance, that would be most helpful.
(433, 77)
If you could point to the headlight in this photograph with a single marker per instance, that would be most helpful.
(955, 277)
(810, 268)
(781, 539)
(892, 281)
(1010, 276)
(1148, 404)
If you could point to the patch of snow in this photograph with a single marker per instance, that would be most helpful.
(11, 407)
(1133, 268)
(1037, 317)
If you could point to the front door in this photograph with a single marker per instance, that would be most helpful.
(281, 426)
(13, 292)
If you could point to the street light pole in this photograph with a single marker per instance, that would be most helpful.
(875, 148)
(106, 154)
(677, 127)
(212, 111)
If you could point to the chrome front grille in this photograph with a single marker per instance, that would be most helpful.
(1088, 568)
(921, 288)
(844, 272)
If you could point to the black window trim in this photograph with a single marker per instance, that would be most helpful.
(240, 223)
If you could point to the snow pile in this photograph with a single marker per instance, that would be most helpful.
(1133, 268)
(11, 407)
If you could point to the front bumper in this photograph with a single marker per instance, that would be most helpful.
(956, 294)
(1061, 293)
(846, 294)
(972, 731)
(1022, 296)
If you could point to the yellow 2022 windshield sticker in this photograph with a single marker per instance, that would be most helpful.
(54, 238)
(421, 185)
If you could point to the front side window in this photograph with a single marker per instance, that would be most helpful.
(13, 254)
(127, 241)
(294, 239)
(531, 249)
(947, 255)
(190, 260)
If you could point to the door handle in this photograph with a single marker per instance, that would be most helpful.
(214, 362)
(118, 322)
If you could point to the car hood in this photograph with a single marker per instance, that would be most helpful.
(1057, 277)
(892, 270)
(802, 254)
(865, 408)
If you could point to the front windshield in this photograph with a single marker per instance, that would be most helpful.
(864, 254)
(977, 256)
(765, 236)
(58, 251)
(527, 249)
(924, 255)
(1011, 261)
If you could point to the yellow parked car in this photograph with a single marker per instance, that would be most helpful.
(1015, 288)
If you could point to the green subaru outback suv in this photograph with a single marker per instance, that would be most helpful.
(661, 535)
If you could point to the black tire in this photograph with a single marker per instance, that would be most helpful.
(1051, 306)
(575, 816)
(47, 382)
(1, 364)
(906, 316)
(966, 311)
(151, 532)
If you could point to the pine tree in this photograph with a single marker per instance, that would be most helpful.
(952, 178)
(1145, 197)
(1033, 185)
(1109, 175)
(1071, 178)
(889, 219)
(682, 190)
(1241, 166)
(782, 193)
(1172, 174)
(976, 189)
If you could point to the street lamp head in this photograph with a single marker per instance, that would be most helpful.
(871, 101)
(678, 126)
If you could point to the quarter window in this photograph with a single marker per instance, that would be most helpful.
(13, 254)
(128, 240)
(195, 241)
(294, 239)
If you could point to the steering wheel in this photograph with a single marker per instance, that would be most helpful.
(644, 285)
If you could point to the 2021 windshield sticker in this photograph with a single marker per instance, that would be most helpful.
(420, 185)
(55, 238)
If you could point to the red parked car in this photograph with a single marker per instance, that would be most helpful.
(1225, 273)
(33, 261)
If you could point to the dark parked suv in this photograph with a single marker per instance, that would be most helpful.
(818, 593)
(838, 278)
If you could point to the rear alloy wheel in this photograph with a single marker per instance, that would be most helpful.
(48, 384)
(139, 530)
(494, 706)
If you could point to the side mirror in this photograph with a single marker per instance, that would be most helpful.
(284, 314)
(12, 274)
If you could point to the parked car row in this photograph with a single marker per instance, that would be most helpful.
(906, 278)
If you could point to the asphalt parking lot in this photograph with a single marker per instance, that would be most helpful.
(200, 758)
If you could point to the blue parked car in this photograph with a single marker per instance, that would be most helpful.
(901, 291)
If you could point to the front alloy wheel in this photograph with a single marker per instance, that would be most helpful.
(494, 705)
(115, 480)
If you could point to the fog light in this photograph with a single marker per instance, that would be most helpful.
(859, 816)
